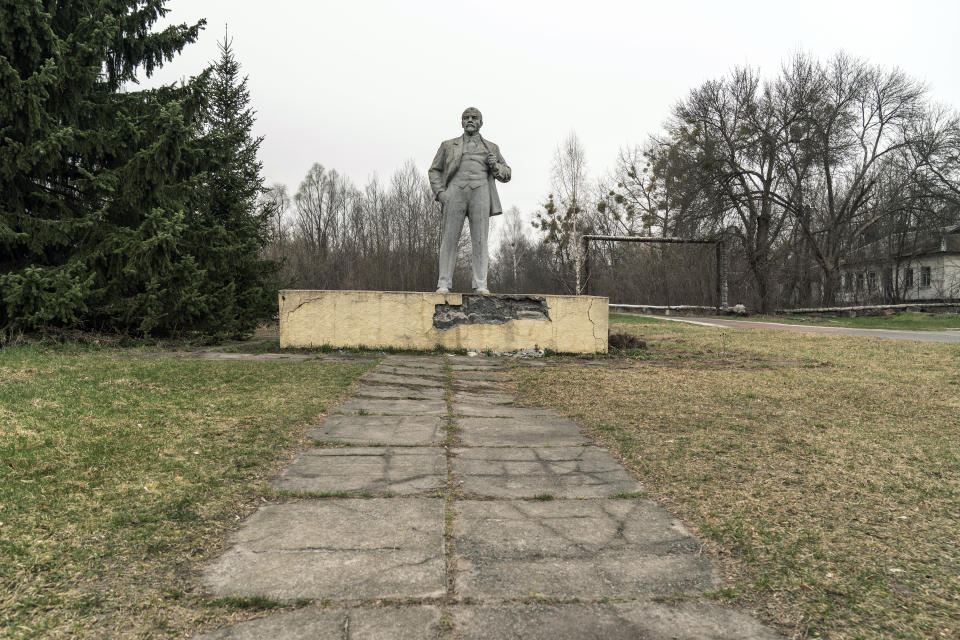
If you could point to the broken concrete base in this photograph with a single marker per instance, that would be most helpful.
(407, 320)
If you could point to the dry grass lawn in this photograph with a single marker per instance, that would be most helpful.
(120, 476)
(822, 471)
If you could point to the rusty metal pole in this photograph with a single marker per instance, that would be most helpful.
(586, 266)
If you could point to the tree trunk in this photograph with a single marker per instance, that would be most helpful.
(761, 263)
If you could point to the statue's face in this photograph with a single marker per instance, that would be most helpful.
(471, 121)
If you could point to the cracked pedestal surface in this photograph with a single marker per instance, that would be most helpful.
(411, 320)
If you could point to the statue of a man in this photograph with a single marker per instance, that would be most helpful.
(462, 178)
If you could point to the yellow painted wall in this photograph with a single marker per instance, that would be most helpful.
(311, 318)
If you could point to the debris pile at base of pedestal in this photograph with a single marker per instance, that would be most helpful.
(520, 353)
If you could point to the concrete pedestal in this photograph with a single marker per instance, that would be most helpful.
(411, 320)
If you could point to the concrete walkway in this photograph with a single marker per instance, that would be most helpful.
(890, 334)
(432, 507)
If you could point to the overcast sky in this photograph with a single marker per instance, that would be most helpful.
(361, 86)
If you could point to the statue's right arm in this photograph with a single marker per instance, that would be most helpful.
(435, 174)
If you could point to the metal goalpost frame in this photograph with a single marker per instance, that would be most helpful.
(719, 242)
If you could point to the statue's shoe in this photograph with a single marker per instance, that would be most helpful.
(482, 292)
(443, 290)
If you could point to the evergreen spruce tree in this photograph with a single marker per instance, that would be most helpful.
(98, 182)
(231, 228)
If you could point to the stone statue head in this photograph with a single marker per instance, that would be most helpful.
(471, 120)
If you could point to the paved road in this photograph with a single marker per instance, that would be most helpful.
(891, 334)
(454, 515)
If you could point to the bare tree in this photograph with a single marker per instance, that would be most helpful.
(509, 263)
(565, 216)
(731, 132)
(313, 208)
(275, 204)
(854, 157)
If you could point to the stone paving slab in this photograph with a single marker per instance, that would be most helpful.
(403, 470)
(394, 391)
(397, 430)
(483, 397)
(489, 410)
(383, 623)
(356, 553)
(410, 371)
(459, 368)
(394, 407)
(337, 550)
(478, 361)
(489, 376)
(540, 431)
(408, 381)
(475, 385)
(574, 548)
(562, 472)
(622, 621)
(419, 362)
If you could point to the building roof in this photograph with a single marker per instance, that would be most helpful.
(912, 245)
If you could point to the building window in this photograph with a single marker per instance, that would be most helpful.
(908, 278)
(871, 282)
(859, 282)
(924, 276)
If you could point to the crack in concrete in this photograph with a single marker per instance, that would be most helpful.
(302, 303)
(593, 323)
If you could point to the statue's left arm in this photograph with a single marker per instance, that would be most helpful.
(499, 168)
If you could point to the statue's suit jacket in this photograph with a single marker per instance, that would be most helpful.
(447, 161)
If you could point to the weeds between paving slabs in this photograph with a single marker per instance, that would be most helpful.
(823, 470)
(120, 476)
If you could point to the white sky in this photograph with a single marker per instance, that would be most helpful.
(363, 85)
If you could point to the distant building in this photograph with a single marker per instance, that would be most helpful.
(922, 267)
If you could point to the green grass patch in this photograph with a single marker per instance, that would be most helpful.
(629, 318)
(822, 471)
(903, 321)
(120, 475)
